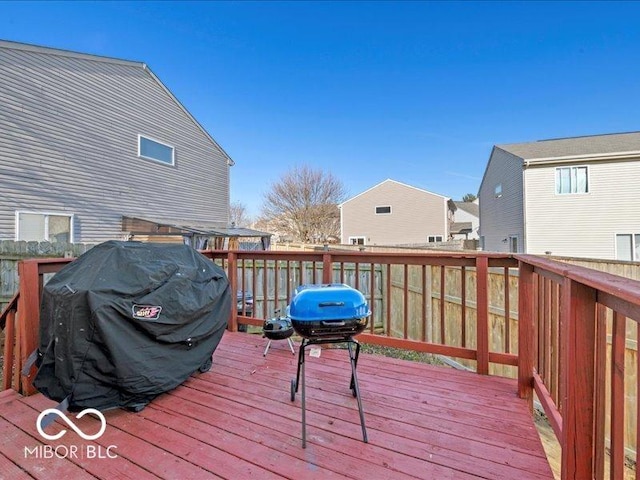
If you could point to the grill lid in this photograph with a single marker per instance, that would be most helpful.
(329, 301)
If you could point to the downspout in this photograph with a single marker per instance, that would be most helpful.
(525, 240)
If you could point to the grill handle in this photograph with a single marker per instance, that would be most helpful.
(333, 323)
(331, 304)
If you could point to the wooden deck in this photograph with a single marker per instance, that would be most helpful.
(237, 422)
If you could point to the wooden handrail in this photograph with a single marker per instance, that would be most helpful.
(11, 306)
(8, 324)
(562, 315)
(571, 384)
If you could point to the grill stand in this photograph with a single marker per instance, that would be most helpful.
(355, 389)
(269, 345)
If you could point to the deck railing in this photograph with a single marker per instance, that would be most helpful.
(548, 323)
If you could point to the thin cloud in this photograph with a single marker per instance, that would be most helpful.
(462, 175)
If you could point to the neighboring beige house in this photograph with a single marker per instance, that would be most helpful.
(466, 221)
(393, 213)
(575, 197)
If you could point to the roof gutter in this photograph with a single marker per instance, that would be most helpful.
(573, 158)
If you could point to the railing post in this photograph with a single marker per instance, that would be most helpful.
(578, 321)
(327, 268)
(232, 265)
(526, 332)
(28, 322)
(482, 315)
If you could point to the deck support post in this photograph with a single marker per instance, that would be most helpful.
(232, 269)
(28, 324)
(578, 331)
(526, 332)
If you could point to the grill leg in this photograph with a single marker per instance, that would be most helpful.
(291, 345)
(303, 345)
(266, 349)
(304, 411)
(354, 382)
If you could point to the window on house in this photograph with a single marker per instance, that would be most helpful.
(154, 150)
(385, 210)
(571, 180)
(356, 240)
(42, 227)
(497, 192)
(434, 238)
(513, 244)
(628, 247)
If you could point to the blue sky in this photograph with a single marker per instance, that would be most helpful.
(414, 91)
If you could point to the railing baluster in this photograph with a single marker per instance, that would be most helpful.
(442, 304)
(507, 313)
(463, 305)
(372, 298)
(600, 395)
(482, 327)
(423, 317)
(617, 397)
(405, 302)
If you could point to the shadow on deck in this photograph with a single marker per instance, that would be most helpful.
(237, 421)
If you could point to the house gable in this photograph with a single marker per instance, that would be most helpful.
(393, 213)
(561, 217)
(69, 129)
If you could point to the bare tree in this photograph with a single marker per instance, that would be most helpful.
(238, 214)
(303, 204)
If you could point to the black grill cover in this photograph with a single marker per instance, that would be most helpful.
(127, 321)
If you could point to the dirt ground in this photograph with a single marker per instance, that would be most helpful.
(552, 449)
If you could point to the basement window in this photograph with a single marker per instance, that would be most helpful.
(44, 227)
(384, 210)
(155, 150)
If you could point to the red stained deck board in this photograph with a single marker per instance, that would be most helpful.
(14, 441)
(237, 421)
(153, 454)
(348, 455)
(469, 397)
(463, 453)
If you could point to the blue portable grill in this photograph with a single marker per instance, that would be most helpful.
(332, 310)
(328, 313)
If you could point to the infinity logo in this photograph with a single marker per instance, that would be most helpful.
(53, 411)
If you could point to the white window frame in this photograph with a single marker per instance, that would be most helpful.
(356, 238)
(382, 206)
(151, 139)
(511, 239)
(46, 226)
(573, 177)
(635, 258)
(435, 238)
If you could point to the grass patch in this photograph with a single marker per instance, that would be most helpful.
(400, 353)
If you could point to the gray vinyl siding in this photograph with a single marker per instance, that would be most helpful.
(502, 217)
(415, 214)
(68, 143)
(582, 225)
